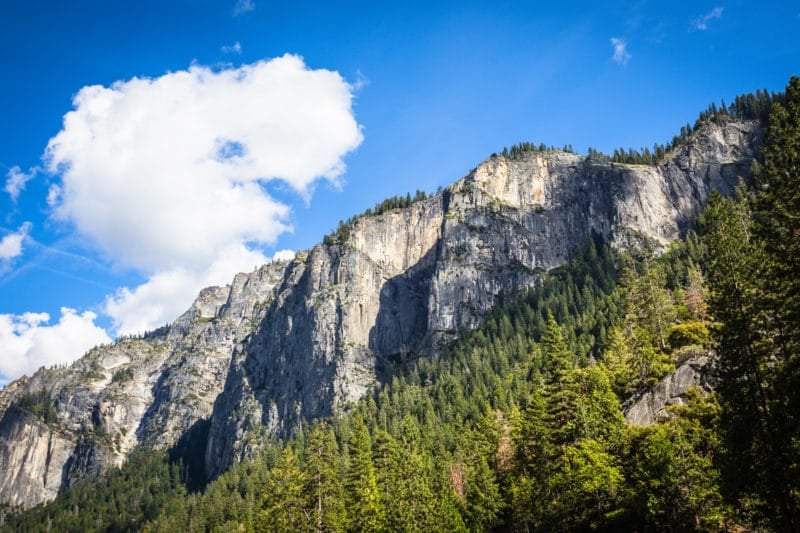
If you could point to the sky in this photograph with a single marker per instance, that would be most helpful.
(154, 147)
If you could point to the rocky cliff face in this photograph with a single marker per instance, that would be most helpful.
(63, 424)
(405, 281)
(650, 406)
(291, 342)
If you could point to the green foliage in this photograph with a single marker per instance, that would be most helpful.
(39, 404)
(123, 375)
(324, 489)
(121, 500)
(518, 426)
(694, 333)
(671, 467)
(285, 508)
(342, 231)
(753, 260)
(364, 498)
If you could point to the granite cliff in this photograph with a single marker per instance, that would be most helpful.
(294, 341)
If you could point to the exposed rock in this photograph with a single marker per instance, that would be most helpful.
(408, 280)
(136, 391)
(671, 390)
(294, 341)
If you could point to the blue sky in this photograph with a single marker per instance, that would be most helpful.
(394, 97)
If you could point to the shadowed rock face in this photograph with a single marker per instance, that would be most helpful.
(294, 341)
(408, 280)
(136, 391)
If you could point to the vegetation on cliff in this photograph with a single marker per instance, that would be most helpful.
(518, 425)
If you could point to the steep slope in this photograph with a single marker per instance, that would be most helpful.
(296, 341)
(62, 424)
(405, 281)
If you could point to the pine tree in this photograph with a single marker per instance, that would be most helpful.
(758, 454)
(285, 506)
(365, 508)
(777, 215)
(323, 486)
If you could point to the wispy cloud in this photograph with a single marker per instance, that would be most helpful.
(16, 180)
(621, 54)
(701, 23)
(243, 6)
(235, 48)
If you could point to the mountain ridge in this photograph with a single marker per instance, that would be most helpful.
(401, 284)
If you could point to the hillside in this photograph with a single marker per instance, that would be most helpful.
(301, 341)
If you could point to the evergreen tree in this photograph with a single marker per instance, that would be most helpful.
(365, 508)
(757, 465)
(323, 486)
(286, 508)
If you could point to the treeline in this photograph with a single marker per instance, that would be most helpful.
(342, 231)
(751, 106)
(518, 425)
(120, 500)
(159, 332)
(518, 150)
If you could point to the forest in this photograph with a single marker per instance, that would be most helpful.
(519, 425)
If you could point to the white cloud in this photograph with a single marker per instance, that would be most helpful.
(169, 293)
(53, 195)
(235, 48)
(701, 23)
(167, 175)
(163, 173)
(621, 54)
(284, 255)
(11, 245)
(243, 6)
(16, 180)
(27, 343)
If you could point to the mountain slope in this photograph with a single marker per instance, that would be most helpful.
(298, 341)
(407, 280)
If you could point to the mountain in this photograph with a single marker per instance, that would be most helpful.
(295, 341)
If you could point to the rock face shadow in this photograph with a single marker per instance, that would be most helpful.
(401, 325)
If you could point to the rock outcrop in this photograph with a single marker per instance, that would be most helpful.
(405, 281)
(294, 341)
(673, 389)
(62, 424)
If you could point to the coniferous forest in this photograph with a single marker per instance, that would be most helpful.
(518, 425)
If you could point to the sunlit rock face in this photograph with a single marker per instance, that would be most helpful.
(63, 424)
(296, 340)
(404, 282)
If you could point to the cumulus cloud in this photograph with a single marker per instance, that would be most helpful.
(243, 6)
(27, 342)
(167, 175)
(701, 23)
(163, 173)
(235, 48)
(11, 245)
(284, 255)
(621, 54)
(16, 180)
